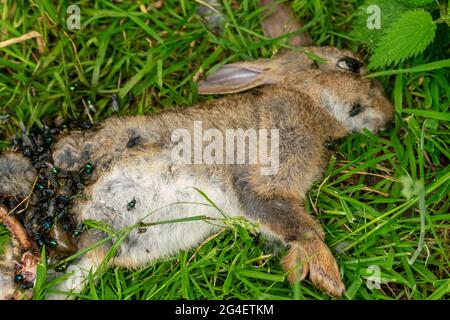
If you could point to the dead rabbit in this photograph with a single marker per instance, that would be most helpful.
(300, 104)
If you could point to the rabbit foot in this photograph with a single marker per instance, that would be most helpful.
(315, 258)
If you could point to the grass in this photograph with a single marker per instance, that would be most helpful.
(371, 219)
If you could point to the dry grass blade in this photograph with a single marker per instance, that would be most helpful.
(25, 37)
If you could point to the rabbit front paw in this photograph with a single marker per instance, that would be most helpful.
(313, 257)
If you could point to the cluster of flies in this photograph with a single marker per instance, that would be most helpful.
(45, 215)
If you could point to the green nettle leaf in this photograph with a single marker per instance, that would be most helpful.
(389, 11)
(407, 37)
(416, 3)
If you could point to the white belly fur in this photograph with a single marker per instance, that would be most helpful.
(155, 183)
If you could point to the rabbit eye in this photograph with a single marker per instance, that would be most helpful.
(350, 64)
(356, 109)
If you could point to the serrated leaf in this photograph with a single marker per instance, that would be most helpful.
(407, 37)
(390, 10)
(416, 3)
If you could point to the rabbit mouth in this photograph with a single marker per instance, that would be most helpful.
(366, 118)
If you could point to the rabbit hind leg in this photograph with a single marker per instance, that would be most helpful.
(286, 219)
(308, 252)
(315, 259)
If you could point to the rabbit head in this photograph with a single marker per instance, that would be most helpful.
(355, 101)
(332, 77)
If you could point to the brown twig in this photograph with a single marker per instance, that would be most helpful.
(16, 229)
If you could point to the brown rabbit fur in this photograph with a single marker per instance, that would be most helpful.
(308, 103)
(305, 121)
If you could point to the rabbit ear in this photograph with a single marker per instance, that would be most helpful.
(237, 77)
(278, 19)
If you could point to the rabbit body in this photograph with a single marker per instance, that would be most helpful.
(145, 172)
(133, 161)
